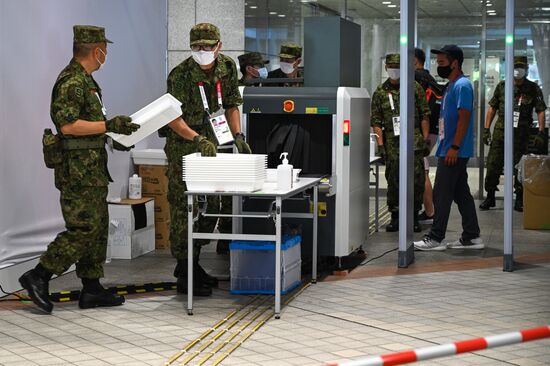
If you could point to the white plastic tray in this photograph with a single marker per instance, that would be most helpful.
(225, 172)
(225, 186)
(151, 118)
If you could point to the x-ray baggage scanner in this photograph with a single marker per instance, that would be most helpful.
(325, 130)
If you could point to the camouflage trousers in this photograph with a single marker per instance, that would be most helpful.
(392, 177)
(495, 158)
(178, 203)
(85, 241)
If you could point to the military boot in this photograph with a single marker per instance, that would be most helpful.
(200, 287)
(518, 205)
(394, 223)
(93, 295)
(36, 282)
(206, 278)
(489, 201)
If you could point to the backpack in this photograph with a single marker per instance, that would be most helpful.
(434, 98)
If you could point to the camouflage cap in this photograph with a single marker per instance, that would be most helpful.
(252, 58)
(392, 58)
(89, 34)
(290, 50)
(204, 33)
(521, 60)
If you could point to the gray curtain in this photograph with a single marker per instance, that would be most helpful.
(35, 44)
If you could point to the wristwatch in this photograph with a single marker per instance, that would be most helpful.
(455, 147)
(239, 134)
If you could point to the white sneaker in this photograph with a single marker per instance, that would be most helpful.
(428, 243)
(476, 243)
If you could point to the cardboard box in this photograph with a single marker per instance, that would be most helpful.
(162, 234)
(131, 228)
(536, 192)
(162, 208)
(153, 179)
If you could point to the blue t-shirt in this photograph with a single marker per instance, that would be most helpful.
(459, 95)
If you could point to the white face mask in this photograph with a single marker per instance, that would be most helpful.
(287, 67)
(204, 57)
(519, 73)
(394, 74)
(101, 64)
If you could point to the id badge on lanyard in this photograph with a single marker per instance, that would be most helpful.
(103, 109)
(396, 120)
(218, 122)
(516, 113)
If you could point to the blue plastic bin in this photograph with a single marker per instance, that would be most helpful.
(253, 266)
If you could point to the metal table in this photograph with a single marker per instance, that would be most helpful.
(268, 190)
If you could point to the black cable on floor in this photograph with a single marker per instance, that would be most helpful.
(378, 257)
(16, 294)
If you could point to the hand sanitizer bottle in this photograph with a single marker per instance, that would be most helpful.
(284, 174)
(134, 185)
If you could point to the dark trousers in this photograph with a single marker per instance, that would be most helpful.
(451, 184)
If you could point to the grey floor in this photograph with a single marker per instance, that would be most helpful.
(329, 321)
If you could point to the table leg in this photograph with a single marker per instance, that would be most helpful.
(376, 202)
(278, 224)
(315, 223)
(190, 254)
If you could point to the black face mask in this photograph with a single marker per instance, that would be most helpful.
(444, 71)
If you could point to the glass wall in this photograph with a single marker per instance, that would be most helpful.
(268, 23)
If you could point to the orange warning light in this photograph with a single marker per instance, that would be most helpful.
(288, 106)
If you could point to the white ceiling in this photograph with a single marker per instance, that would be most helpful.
(531, 10)
(438, 20)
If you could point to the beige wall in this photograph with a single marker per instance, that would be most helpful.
(228, 15)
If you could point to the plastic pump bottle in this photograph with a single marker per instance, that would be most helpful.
(134, 187)
(284, 174)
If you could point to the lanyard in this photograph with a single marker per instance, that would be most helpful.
(392, 106)
(103, 110)
(519, 101)
(203, 95)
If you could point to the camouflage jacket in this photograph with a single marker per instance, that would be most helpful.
(279, 74)
(382, 113)
(76, 95)
(242, 82)
(183, 83)
(531, 98)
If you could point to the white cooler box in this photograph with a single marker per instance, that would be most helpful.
(131, 228)
(151, 118)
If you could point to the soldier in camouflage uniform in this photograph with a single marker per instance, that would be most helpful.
(252, 66)
(290, 58)
(527, 96)
(80, 175)
(384, 108)
(191, 133)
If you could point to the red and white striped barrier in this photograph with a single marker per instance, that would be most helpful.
(450, 349)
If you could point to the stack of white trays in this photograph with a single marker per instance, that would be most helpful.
(224, 172)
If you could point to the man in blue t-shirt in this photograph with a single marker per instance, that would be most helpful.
(455, 148)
